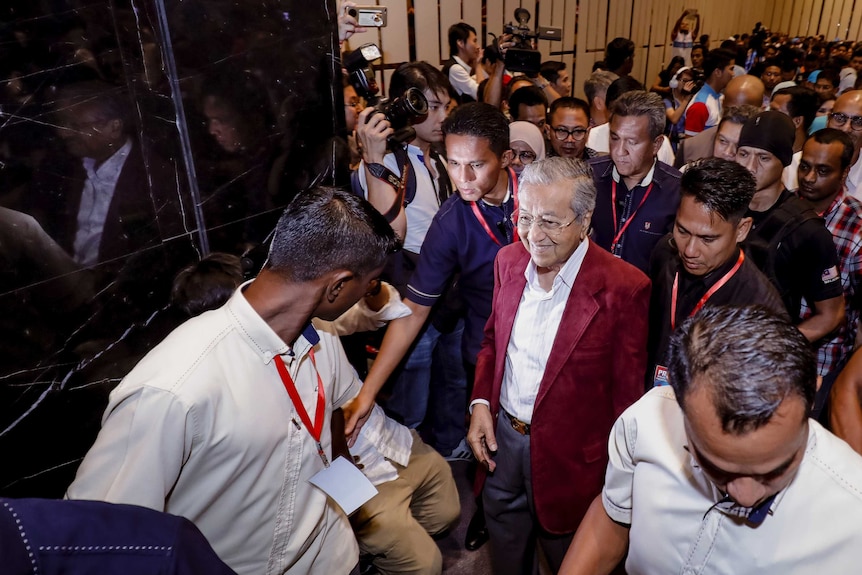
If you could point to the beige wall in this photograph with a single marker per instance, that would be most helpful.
(588, 25)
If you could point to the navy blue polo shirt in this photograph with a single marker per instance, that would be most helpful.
(651, 222)
(457, 242)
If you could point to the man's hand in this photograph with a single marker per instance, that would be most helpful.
(481, 436)
(356, 413)
(372, 129)
(347, 25)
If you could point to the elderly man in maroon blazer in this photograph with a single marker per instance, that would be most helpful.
(564, 354)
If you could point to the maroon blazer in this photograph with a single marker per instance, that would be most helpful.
(594, 372)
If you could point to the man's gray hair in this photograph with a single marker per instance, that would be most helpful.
(640, 103)
(577, 175)
(597, 84)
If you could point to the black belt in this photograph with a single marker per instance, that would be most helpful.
(517, 424)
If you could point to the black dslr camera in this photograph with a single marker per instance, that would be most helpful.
(399, 111)
(521, 57)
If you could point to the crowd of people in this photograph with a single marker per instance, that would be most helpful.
(635, 314)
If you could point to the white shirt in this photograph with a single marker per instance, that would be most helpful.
(655, 485)
(461, 80)
(203, 427)
(424, 206)
(95, 200)
(790, 175)
(533, 333)
(599, 140)
(853, 183)
(847, 79)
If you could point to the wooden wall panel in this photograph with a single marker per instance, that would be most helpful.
(430, 47)
(494, 13)
(846, 13)
(394, 41)
(588, 25)
(855, 28)
(450, 13)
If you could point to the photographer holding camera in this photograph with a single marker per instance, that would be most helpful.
(683, 86)
(406, 180)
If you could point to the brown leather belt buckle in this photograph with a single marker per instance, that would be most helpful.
(517, 424)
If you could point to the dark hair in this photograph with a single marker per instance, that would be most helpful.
(716, 59)
(421, 75)
(803, 102)
(618, 50)
(749, 358)
(721, 186)
(551, 69)
(640, 103)
(569, 102)
(460, 31)
(528, 96)
(770, 63)
(481, 121)
(857, 53)
(510, 87)
(245, 94)
(738, 114)
(327, 229)
(830, 136)
(207, 284)
(619, 87)
(110, 100)
(830, 75)
(675, 60)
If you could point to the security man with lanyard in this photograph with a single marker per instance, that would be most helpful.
(700, 263)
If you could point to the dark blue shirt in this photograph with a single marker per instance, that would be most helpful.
(48, 537)
(457, 242)
(651, 222)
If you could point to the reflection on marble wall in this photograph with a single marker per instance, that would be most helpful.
(137, 136)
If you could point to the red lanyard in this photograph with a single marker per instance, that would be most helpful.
(317, 428)
(626, 224)
(717, 286)
(476, 212)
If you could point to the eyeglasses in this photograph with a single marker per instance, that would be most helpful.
(840, 119)
(356, 105)
(563, 134)
(525, 222)
(525, 157)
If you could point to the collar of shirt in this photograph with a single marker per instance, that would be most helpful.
(833, 207)
(643, 183)
(461, 63)
(770, 506)
(568, 273)
(110, 169)
(261, 337)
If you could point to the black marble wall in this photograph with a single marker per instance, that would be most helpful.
(227, 110)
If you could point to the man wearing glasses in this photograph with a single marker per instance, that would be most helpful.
(545, 398)
(847, 116)
(568, 127)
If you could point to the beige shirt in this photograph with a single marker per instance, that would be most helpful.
(203, 428)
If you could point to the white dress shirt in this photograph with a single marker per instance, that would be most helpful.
(599, 140)
(533, 333)
(461, 80)
(203, 427)
(95, 200)
(656, 486)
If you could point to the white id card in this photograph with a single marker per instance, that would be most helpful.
(345, 484)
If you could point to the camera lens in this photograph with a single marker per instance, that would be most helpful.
(415, 102)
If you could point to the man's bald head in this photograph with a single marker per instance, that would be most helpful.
(745, 89)
(847, 106)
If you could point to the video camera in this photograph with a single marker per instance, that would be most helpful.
(399, 111)
(522, 57)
